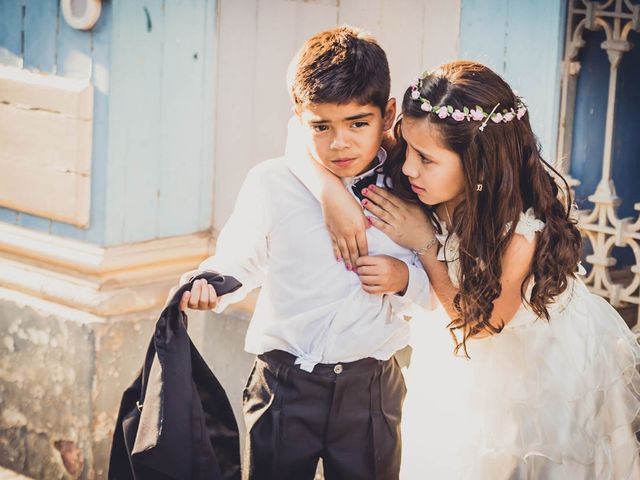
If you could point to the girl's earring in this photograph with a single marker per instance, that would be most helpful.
(479, 187)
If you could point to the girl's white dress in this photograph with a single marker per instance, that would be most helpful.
(556, 400)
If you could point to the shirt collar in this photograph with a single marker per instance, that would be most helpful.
(381, 157)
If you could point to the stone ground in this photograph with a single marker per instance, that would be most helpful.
(6, 474)
(11, 475)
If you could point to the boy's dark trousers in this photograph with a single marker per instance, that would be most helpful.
(348, 414)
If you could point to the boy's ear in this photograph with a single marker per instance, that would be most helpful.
(389, 114)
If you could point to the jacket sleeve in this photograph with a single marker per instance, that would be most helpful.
(241, 249)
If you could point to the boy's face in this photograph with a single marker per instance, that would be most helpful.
(345, 137)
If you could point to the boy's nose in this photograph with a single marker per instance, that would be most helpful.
(339, 142)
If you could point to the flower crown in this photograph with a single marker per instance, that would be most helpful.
(475, 114)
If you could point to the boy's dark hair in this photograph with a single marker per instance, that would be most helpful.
(340, 65)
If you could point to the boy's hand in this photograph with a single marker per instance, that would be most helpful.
(201, 297)
(383, 274)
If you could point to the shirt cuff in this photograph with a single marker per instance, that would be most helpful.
(212, 265)
(417, 286)
(418, 293)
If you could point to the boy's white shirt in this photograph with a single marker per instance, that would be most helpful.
(309, 305)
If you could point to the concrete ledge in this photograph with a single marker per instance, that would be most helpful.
(104, 281)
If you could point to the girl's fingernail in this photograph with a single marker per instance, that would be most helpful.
(348, 267)
(364, 202)
(372, 187)
(365, 191)
(338, 259)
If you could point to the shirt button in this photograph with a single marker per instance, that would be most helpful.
(338, 369)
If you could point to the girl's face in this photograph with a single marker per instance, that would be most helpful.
(435, 172)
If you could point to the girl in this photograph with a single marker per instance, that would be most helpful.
(551, 389)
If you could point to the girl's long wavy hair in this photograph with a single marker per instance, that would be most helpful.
(505, 158)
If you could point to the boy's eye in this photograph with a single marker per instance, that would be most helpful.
(424, 160)
(359, 124)
(320, 128)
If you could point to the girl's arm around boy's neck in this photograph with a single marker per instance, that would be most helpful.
(343, 215)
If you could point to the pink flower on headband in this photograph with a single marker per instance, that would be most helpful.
(477, 114)
(457, 115)
(508, 116)
(521, 111)
(497, 118)
(415, 94)
(442, 112)
(426, 106)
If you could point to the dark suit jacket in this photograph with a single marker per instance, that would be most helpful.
(175, 420)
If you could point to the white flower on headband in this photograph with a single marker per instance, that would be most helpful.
(458, 116)
(521, 111)
(476, 114)
(442, 112)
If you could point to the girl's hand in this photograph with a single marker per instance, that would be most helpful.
(346, 223)
(404, 222)
(383, 274)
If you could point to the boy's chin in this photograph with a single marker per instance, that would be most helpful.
(338, 171)
(352, 170)
(345, 173)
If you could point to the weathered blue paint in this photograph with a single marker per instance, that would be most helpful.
(152, 65)
(160, 148)
(589, 117)
(74, 60)
(40, 31)
(134, 121)
(522, 41)
(8, 216)
(40, 25)
(207, 118)
(100, 54)
(11, 25)
(589, 125)
(626, 141)
(483, 32)
(183, 131)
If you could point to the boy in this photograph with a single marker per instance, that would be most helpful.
(325, 383)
